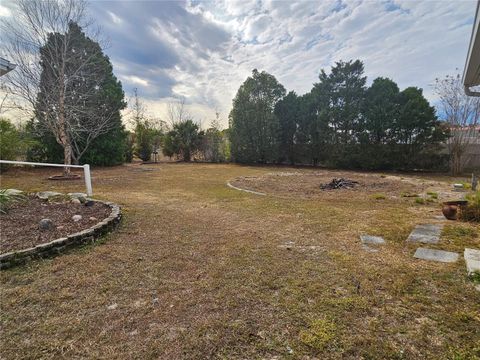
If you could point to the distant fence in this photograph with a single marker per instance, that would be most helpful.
(86, 170)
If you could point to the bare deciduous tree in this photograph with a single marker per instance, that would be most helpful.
(67, 78)
(462, 113)
(177, 111)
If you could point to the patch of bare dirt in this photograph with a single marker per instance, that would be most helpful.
(309, 184)
(20, 225)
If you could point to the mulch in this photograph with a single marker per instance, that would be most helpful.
(20, 225)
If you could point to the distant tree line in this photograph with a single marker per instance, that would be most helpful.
(341, 122)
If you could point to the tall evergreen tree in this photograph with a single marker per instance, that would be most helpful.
(287, 111)
(380, 115)
(80, 99)
(339, 97)
(417, 130)
(253, 124)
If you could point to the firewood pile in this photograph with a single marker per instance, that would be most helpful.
(339, 184)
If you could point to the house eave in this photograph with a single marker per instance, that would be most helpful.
(471, 74)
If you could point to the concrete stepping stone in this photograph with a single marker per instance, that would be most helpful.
(372, 240)
(369, 248)
(426, 233)
(436, 255)
(472, 260)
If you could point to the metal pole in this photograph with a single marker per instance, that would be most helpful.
(88, 179)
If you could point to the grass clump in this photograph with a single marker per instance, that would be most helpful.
(475, 277)
(420, 201)
(319, 335)
(379, 196)
(7, 198)
(432, 195)
(458, 236)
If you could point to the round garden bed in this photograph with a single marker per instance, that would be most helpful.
(311, 184)
(40, 225)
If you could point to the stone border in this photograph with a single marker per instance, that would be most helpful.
(248, 191)
(55, 247)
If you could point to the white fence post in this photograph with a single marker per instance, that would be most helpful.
(86, 170)
(88, 179)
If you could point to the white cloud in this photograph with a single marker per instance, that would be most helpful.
(116, 19)
(4, 11)
(135, 80)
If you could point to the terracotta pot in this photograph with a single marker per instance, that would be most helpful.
(450, 208)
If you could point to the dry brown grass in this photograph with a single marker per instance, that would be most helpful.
(198, 270)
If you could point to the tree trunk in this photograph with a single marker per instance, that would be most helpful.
(67, 153)
(64, 138)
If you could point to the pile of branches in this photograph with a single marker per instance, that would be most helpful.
(339, 184)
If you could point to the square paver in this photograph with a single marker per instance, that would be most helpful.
(472, 260)
(372, 240)
(436, 255)
(426, 233)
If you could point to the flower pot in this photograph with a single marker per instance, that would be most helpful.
(450, 208)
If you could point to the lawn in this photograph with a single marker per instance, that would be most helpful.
(200, 270)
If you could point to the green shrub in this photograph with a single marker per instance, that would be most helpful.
(379, 196)
(471, 212)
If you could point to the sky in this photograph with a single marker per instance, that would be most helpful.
(204, 50)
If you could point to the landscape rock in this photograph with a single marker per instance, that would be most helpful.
(82, 197)
(76, 201)
(472, 260)
(45, 224)
(436, 255)
(89, 203)
(426, 233)
(76, 218)
(112, 307)
(13, 192)
(45, 195)
(92, 218)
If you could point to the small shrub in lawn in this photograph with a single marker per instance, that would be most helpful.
(420, 201)
(379, 196)
(471, 212)
(319, 335)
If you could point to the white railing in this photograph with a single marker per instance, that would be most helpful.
(86, 170)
